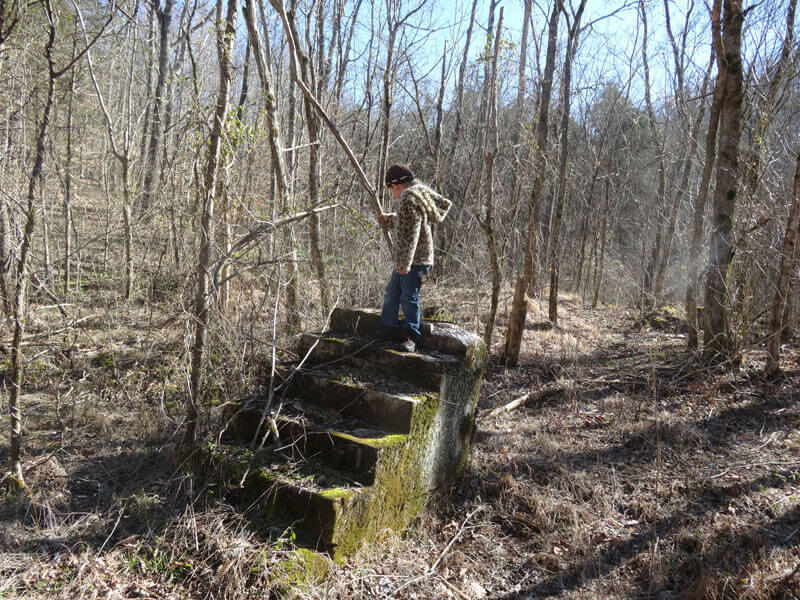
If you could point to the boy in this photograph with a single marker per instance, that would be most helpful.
(419, 206)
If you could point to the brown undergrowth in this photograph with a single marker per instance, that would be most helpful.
(646, 476)
(643, 475)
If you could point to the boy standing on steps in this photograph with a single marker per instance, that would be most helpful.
(419, 206)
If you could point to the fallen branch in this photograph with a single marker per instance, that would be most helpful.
(784, 580)
(758, 464)
(548, 390)
(432, 569)
(554, 388)
(41, 286)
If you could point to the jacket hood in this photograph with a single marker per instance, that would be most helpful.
(432, 203)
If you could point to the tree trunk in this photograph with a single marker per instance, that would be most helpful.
(555, 262)
(648, 282)
(600, 261)
(314, 129)
(690, 300)
(767, 108)
(694, 134)
(717, 338)
(462, 70)
(68, 176)
(279, 172)
(225, 40)
(491, 154)
(153, 165)
(519, 308)
(437, 130)
(17, 357)
(776, 322)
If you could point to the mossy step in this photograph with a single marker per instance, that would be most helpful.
(363, 322)
(437, 335)
(310, 497)
(425, 370)
(344, 446)
(317, 511)
(346, 392)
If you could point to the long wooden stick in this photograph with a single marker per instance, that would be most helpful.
(293, 54)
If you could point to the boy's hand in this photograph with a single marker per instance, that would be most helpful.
(402, 272)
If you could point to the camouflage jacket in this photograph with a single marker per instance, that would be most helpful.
(419, 207)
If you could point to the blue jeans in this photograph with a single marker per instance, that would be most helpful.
(403, 291)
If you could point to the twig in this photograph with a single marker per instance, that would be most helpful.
(41, 286)
(113, 529)
(453, 589)
(241, 244)
(454, 538)
(759, 464)
(432, 569)
(787, 578)
(547, 390)
(45, 334)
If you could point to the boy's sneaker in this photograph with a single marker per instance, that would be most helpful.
(408, 345)
(385, 336)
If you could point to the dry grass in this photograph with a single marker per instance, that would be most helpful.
(646, 476)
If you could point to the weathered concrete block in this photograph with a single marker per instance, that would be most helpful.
(405, 423)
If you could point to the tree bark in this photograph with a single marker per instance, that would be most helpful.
(519, 307)
(225, 39)
(776, 322)
(153, 164)
(555, 263)
(491, 155)
(717, 337)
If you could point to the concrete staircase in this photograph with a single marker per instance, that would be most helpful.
(360, 434)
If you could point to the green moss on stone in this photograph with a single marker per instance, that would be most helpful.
(400, 489)
(337, 494)
(302, 569)
(386, 441)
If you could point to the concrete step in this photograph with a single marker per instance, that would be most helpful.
(425, 370)
(307, 434)
(315, 499)
(364, 433)
(438, 336)
(361, 394)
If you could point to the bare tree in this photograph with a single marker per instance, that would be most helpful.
(9, 18)
(490, 153)
(695, 243)
(153, 159)
(303, 85)
(777, 322)
(718, 341)
(661, 176)
(519, 308)
(22, 275)
(462, 70)
(225, 38)
(121, 151)
(573, 36)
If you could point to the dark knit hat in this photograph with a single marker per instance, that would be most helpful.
(399, 173)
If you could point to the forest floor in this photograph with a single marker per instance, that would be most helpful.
(632, 471)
